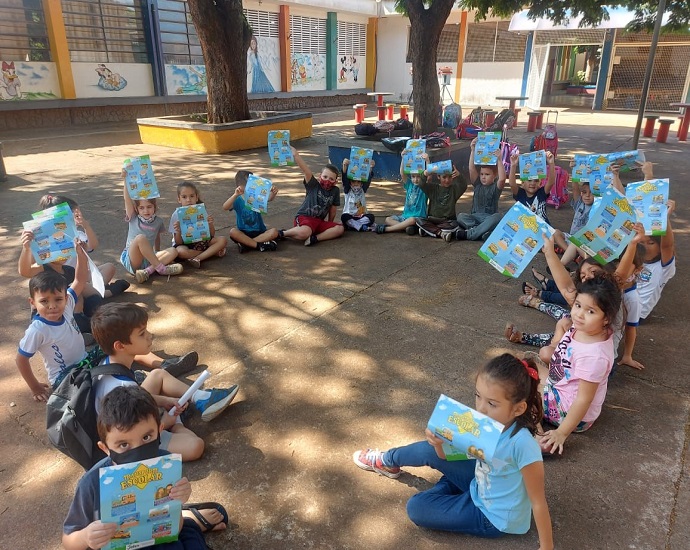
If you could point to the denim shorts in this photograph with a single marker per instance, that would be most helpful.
(124, 260)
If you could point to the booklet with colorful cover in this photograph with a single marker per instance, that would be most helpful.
(136, 496)
(413, 162)
(360, 164)
(193, 223)
(649, 199)
(609, 228)
(279, 148)
(440, 167)
(256, 193)
(581, 169)
(627, 160)
(533, 165)
(54, 233)
(139, 178)
(488, 148)
(515, 241)
(466, 433)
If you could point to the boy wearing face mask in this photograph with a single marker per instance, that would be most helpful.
(314, 220)
(128, 429)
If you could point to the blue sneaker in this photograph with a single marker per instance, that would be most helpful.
(218, 401)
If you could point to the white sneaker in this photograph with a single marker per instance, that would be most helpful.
(141, 275)
(173, 269)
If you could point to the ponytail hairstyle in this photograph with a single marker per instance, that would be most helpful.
(520, 380)
(49, 200)
(606, 293)
(190, 185)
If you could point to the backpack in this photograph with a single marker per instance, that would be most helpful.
(508, 149)
(396, 144)
(559, 192)
(548, 139)
(506, 118)
(365, 129)
(472, 124)
(384, 126)
(452, 115)
(436, 140)
(71, 413)
(403, 124)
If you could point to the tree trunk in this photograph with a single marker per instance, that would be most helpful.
(224, 35)
(425, 32)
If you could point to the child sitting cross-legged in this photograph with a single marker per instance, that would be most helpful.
(129, 431)
(121, 332)
(530, 193)
(440, 218)
(355, 216)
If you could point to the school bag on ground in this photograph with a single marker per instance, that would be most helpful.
(548, 139)
(559, 192)
(472, 124)
(71, 413)
(506, 118)
(452, 115)
(365, 129)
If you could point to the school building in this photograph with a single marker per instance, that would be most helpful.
(80, 61)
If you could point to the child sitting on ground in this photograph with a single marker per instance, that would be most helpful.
(129, 431)
(355, 215)
(440, 219)
(121, 332)
(531, 194)
(196, 252)
(251, 232)
(582, 201)
(415, 204)
(142, 256)
(488, 183)
(321, 201)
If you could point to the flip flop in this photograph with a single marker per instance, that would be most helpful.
(526, 286)
(207, 526)
(541, 279)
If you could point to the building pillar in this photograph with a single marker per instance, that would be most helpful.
(604, 70)
(372, 33)
(462, 41)
(332, 50)
(59, 49)
(528, 61)
(285, 56)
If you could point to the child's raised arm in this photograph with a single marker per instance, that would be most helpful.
(81, 269)
(130, 207)
(533, 477)
(512, 179)
(91, 236)
(616, 182)
(308, 174)
(403, 176)
(668, 247)
(26, 265)
(560, 274)
(346, 180)
(551, 178)
(227, 205)
(625, 266)
(471, 165)
(501, 182)
(272, 193)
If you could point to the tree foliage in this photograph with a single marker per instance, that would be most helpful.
(593, 12)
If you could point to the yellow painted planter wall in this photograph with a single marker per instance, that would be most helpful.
(225, 140)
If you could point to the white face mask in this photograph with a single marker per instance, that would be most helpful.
(147, 220)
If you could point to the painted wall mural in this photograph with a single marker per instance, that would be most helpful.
(112, 79)
(186, 79)
(24, 81)
(308, 71)
(352, 71)
(263, 65)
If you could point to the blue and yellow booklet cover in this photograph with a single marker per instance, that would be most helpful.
(609, 229)
(515, 241)
(279, 148)
(139, 178)
(649, 199)
(440, 167)
(413, 162)
(193, 223)
(488, 148)
(256, 193)
(533, 165)
(136, 496)
(466, 433)
(627, 160)
(600, 175)
(581, 169)
(54, 233)
(360, 164)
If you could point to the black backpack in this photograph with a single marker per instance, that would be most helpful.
(71, 413)
(505, 118)
(365, 129)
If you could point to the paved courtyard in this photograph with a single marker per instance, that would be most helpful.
(342, 345)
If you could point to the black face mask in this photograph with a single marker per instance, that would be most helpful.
(143, 452)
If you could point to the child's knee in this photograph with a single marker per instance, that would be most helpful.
(338, 229)
(415, 509)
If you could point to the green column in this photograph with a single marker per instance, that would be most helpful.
(332, 51)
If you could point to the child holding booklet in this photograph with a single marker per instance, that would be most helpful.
(440, 218)
(415, 204)
(129, 431)
(530, 193)
(485, 499)
(251, 232)
(196, 252)
(488, 183)
(355, 215)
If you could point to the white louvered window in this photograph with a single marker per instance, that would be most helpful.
(352, 38)
(308, 35)
(263, 23)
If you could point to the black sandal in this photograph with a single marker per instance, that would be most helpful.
(541, 279)
(207, 526)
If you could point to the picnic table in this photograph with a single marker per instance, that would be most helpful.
(685, 123)
(512, 99)
(379, 103)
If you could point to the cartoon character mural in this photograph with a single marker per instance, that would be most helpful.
(308, 71)
(108, 80)
(260, 82)
(10, 83)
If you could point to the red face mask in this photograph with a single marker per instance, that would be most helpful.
(326, 184)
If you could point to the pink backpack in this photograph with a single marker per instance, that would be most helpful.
(559, 192)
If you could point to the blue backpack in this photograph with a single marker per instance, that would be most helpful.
(452, 115)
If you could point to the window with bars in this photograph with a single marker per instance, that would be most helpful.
(263, 23)
(308, 35)
(447, 51)
(23, 34)
(179, 41)
(493, 42)
(105, 31)
(352, 38)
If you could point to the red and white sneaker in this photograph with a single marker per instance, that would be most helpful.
(371, 460)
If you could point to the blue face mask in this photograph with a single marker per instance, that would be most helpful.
(142, 452)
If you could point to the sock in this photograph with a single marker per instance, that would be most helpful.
(160, 269)
(281, 233)
(151, 269)
(200, 395)
(261, 247)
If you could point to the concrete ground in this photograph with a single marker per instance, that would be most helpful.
(343, 345)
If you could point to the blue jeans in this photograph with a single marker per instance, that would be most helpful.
(479, 224)
(552, 295)
(447, 506)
